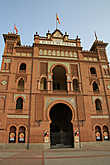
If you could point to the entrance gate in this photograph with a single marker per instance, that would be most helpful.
(61, 128)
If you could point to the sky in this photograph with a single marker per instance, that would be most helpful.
(77, 17)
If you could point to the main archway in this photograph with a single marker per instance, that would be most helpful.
(59, 78)
(61, 128)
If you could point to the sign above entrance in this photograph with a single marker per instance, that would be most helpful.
(57, 42)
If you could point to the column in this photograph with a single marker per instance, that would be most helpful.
(71, 86)
(49, 85)
(69, 82)
(38, 84)
(68, 86)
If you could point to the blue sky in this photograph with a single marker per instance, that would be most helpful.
(77, 17)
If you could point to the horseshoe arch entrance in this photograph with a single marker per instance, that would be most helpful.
(61, 128)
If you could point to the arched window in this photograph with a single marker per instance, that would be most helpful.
(12, 134)
(95, 87)
(75, 85)
(98, 133)
(59, 78)
(43, 84)
(98, 104)
(93, 71)
(21, 134)
(21, 84)
(105, 133)
(19, 103)
(22, 67)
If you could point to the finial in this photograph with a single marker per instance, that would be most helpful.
(95, 36)
(48, 31)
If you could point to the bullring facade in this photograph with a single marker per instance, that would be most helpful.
(54, 92)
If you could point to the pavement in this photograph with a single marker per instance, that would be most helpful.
(88, 154)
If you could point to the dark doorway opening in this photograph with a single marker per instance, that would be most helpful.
(21, 135)
(98, 133)
(61, 128)
(59, 78)
(12, 134)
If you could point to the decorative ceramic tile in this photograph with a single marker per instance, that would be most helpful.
(4, 82)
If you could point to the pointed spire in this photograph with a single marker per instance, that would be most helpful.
(95, 36)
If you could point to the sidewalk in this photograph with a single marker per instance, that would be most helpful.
(96, 146)
(89, 153)
(45, 147)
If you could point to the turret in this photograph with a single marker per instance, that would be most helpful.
(11, 40)
(99, 47)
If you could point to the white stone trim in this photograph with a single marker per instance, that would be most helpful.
(18, 116)
(100, 117)
(58, 42)
(59, 57)
(2, 96)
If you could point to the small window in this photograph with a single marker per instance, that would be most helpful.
(106, 71)
(22, 67)
(75, 85)
(93, 71)
(19, 103)
(95, 87)
(98, 104)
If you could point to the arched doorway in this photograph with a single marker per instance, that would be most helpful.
(61, 128)
(98, 133)
(12, 134)
(59, 78)
(21, 135)
(105, 132)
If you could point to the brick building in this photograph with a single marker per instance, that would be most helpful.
(54, 92)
